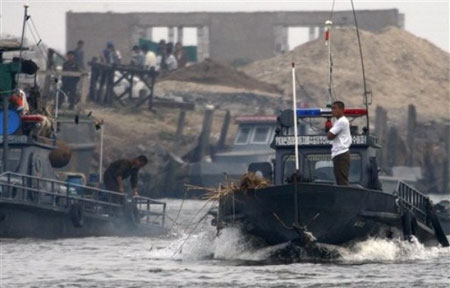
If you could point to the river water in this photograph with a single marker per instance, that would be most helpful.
(192, 256)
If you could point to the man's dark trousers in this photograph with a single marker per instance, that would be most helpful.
(341, 166)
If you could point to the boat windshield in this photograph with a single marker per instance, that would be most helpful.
(243, 135)
(320, 167)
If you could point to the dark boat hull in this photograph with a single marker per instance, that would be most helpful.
(18, 221)
(333, 214)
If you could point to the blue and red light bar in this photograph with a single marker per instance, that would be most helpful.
(326, 112)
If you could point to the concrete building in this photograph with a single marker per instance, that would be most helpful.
(221, 36)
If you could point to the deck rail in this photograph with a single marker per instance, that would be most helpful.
(413, 200)
(59, 195)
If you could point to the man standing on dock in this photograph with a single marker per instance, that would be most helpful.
(342, 139)
(120, 170)
(79, 55)
(70, 83)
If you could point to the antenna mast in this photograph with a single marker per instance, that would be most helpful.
(297, 166)
(366, 93)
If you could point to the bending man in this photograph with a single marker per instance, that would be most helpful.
(120, 170)
(342, 139)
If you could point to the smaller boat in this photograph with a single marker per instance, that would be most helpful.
(43, 191)
(37, 207)
(251, 144)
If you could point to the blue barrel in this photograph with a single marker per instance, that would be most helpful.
(78, 180)
(13, 122)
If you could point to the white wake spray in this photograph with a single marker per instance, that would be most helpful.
(376, 249)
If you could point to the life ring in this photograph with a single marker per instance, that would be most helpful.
(76, 215)
(409, 225)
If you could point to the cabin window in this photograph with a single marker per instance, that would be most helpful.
(261, 135)
(320, 167)
(243, 135)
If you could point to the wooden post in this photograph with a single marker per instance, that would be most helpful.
(131, 77)
(84, 87)
(109, 86)
(48, 78)
(224, 130)
(150, 96)
(381, 132)
(180, 127)
(170, 178)
(95, 73)
(391, 147)
(429, 170)
(411, 135)
(203, 145)
(100, 95)
(446, 162)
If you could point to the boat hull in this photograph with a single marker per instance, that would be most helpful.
(18, 220)
(333, 214)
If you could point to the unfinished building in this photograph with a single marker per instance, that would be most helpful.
(225, 37)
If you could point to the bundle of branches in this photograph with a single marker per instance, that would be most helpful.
(248, 181)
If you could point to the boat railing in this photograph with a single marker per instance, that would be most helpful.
(413, 199)
(59, 195)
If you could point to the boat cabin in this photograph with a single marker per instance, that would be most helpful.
(315, 161)
(251, 144)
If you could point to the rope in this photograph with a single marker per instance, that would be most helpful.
(281, 221)
(331, 90)
(192, 232)
(25, 19)
(297, 79)
(362, 64)
(179, 210)
(332, 11)
(43, 54)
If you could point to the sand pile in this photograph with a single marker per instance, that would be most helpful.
(210, 72)
(400, 69)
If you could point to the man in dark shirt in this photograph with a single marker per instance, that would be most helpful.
(70, 83)
(79, 55)
(119, 170)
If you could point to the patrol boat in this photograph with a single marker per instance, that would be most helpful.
(306, 207)
(43, 191)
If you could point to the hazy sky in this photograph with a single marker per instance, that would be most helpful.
(426, 18)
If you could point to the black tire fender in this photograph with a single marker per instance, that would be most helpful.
(76, 215)
(440, 234)
(407, 224)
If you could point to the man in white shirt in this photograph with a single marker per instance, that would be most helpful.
(171, 60)
(150, 59)
(342, 139)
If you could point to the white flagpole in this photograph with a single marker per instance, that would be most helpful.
(294, 108)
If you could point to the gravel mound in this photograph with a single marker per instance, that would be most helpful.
(400, 69)
(210, 72)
